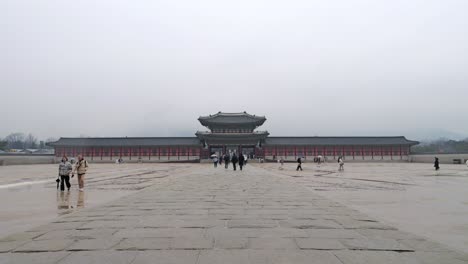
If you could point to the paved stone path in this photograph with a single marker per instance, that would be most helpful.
(211, 215)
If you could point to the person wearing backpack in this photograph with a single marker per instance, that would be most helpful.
(80, 168)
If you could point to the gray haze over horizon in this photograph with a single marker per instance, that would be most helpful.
(313, 68)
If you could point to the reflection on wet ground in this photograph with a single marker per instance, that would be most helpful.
(410, 196)
(65, 201)
(33, 199)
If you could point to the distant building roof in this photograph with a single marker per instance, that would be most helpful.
(44, 151)
(341, 141)
(126, 141)
(221, 118)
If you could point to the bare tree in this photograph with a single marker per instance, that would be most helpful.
(30, 141)
(15, 140)
(3, 144)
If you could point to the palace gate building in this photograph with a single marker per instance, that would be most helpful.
(229, 133)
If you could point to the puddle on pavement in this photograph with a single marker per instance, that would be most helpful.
(30, 205)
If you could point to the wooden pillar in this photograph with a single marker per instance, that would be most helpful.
(159, 153)
(178, 152)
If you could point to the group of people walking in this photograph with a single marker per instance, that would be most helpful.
(234, 159)
(318, 160)
(66, 169)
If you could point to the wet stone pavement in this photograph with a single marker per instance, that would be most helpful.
(207, 215)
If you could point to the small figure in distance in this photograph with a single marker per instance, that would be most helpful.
(234, 160)
(341, 162)
(299, 164)
(226, 161)
(281, 162)
(241, 161)
(436, 163)
(215, 161)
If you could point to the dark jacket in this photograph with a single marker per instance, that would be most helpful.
(234, 159)
(241, 160)
(226, 158)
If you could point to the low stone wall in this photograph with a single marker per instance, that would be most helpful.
(21, 159)
(443, 158)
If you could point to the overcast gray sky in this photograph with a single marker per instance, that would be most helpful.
(150, 68)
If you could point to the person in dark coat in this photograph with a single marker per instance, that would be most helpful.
(234, 160)
(299, 164)
(226, 161)
(241, 161)
(436, 164)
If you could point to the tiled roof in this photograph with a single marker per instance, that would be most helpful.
(341, 141)
(231, 118)
(127, 141)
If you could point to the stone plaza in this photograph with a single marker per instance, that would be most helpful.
(194, 213)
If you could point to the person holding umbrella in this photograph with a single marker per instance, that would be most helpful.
(65, 168)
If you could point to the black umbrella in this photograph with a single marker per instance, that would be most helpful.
(58, 181)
